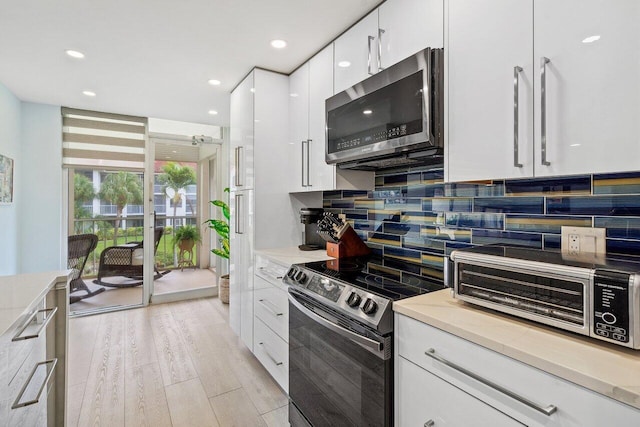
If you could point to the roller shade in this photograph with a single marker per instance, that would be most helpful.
(104, 140)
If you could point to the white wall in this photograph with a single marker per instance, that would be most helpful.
(10, 146)
(41, 238)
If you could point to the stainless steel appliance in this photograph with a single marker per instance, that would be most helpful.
(594, 296)
(393, 118)
(340, 341)
(311, 241)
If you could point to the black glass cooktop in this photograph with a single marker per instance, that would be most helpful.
(388, 278)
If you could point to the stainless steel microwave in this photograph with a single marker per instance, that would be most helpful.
(393, 118)
(594, 296)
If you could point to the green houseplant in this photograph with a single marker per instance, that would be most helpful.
(221, 227)
(185, 238)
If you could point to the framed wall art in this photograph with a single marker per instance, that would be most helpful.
(6, 180)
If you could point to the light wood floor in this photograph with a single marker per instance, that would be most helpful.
(175, 364)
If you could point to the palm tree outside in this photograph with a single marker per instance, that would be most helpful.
(121, 189)
(176, 178)
(83, 192)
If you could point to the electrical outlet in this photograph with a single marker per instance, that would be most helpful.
(583, 240)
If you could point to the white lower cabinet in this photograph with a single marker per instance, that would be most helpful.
(273, 352)
(455, 382)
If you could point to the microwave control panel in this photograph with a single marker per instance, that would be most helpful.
(611, 305)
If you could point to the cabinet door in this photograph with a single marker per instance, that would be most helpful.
(241, 136)
(486, 41)
(236, 269)
(408, 26)
(355, 56)
(423, 397)
(592, 93)
(299, 128)
(321, 175)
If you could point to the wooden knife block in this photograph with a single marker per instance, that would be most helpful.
(350, 244)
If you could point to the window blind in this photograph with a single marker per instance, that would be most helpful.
(104, 140)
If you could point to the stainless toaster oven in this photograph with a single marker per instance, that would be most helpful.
(597, 297)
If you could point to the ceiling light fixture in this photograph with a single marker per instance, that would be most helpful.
(367, 112)
(591, 39)
(344, 64)
(74, 53)
(293, 95)
(214, 82)
(213, 112)
(88, 93)
(278, 44)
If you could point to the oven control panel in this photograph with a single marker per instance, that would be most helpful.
(611, 305)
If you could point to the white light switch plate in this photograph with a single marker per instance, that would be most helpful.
(583, 240)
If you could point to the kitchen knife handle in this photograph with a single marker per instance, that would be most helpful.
(516, 79)
(543, 110)
(369, 40)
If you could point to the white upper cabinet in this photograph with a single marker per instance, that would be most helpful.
(490, 86)
(591, 84)
(241, 136)
(545, 91)
(298, 127)
(406, 27)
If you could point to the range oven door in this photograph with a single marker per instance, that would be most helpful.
(340, 373)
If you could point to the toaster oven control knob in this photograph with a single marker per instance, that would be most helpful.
(369, 306)
(300, 277)
(609, 318)
(353, 300)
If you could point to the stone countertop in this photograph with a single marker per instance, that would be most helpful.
(20, 293)
(605, 368)
(288, 256)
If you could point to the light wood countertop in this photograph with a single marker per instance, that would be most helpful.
(601, 367)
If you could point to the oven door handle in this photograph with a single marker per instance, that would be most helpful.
(359, 339)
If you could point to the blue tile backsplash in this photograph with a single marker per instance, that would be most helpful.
(415, 220)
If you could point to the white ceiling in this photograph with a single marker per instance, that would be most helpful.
(153, 57)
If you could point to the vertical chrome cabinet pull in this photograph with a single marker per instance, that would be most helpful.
(17, 403)
(308, 156)
(239, 213)
(302, 163)
(369, 40)
(548, 410)
(266, 350)
(543, 110)
(51, 312)
(237, 164)
(429, 423)
(380, 33)
(516, 75)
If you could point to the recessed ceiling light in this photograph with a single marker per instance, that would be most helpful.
(88, 93)
(278, 44)
(74, 54)
(574, 145)
(214, 82)
(591, 39)
(213, 112)
(344, 64)
(174, 152)
(293, 95)
(252, 90)
(367, 112)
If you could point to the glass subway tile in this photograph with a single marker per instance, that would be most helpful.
(362, 225)
(628, 248)
(395, 180)
(332, 195)
(544, 224)
(433, 260)
(342, 204)
(423, 217)
(354, 194)
(387, 193)
(435, 176)
(475, 189)
(432, 190)
(552, 241)
(620, 227)
(369, 204)
(452, 246)
(384, 239)
(401, 229)
(475, 220)
(376, 249)
(447, 204)
(618, 183)
(422, 243)
(446, 233)
(436, 273)
(595, 205)
(487, 237)
(326, 203)
(403, 204)
(549, 186)
(379, 181)
(384, 215)
(355, 214)
(530, 205)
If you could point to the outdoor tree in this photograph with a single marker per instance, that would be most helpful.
(176, 177)
(121, 189)
(83, 192)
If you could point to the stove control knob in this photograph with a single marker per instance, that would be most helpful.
(291, 272)
(369, 306)
(353, 300)
(300, 277)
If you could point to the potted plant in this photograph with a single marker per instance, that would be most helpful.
(185, 238)
(221, 226)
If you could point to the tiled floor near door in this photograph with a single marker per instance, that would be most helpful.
(176, 364)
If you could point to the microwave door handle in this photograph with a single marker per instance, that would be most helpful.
(428, 86)
(516, 80)
(369, 41)
(359, 339)
(543, 110)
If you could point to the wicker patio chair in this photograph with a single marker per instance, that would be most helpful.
(80, 247)
(126, 261)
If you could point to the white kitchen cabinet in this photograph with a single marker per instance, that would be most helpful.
(501, 54)
(520, 391)
(592, 91)
(241, 125)
(389, 34)
(309, 87)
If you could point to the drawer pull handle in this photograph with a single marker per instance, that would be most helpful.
(51, 312)
(429, 423)
(17, 403)
(548, 410)
(267, 304)
(264, 271)
(266, 351)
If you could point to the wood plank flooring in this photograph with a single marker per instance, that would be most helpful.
(175, 364)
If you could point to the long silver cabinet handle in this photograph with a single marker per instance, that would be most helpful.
(548, 410)
(308, 157)
(369, 40)
(516, 104)
(266, 350)
(237, 164)
(380, 33)
(51, 312)
(268, 305)
(17, 404)
(239, 213)
(543, 110)
(302, 163)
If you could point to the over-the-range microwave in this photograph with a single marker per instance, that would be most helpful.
(393, 118)
(594, 296)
